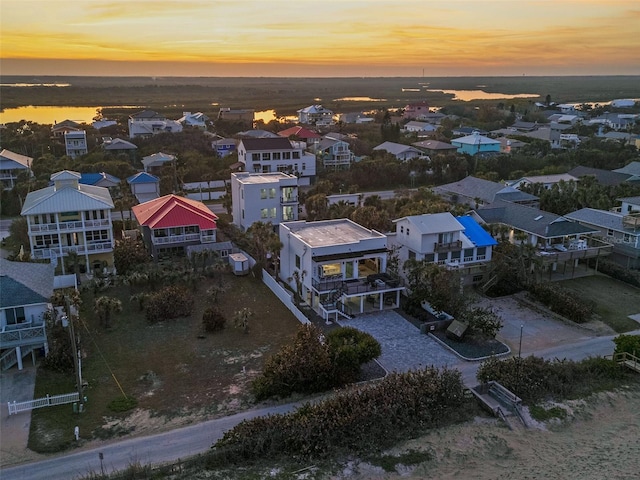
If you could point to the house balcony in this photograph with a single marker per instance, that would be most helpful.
(289, 200)
(357, 286)
(20, 337)
(190, 237)
(441, 247)
(54, 250)
(594, 248)
(631, 221)
(70, 226)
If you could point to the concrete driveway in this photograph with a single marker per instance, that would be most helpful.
(15, 385)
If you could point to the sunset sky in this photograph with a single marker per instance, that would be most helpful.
(319, 37)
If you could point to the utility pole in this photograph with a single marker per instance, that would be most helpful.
(76, 353)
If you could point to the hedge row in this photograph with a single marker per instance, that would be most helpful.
(618, 272)
(534, 379)
(563, 302)
(369, 417)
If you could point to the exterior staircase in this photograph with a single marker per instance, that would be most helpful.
(627, 359)
(10, 358)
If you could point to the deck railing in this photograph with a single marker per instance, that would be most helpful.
(23, 336)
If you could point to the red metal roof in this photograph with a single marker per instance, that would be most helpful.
(298, 131)
(174, 211)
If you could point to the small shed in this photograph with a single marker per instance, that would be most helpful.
(240, 263)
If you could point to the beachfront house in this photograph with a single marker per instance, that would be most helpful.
(337, 267)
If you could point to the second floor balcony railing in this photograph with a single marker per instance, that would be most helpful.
(16, 337)
(68, 226)
(447, 246)
(190, 237)
(289, 199)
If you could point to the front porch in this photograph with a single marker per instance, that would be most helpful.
(351, 297)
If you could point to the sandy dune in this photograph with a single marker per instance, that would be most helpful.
(600, 439)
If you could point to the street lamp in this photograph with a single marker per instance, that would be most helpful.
(520, 346)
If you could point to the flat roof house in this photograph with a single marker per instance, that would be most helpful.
(266, 155)
(263, 197)
(338, 267)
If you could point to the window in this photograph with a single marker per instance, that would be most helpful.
(276, 155)
(97, 235)
(272, 193)
(401, 229)
(609, 233)
(266, 169)
(15, 315)
(224, 253)
(295, 155)
(456, 255)
(477, 278)
(264, 213)
(45, 241)
(445, 237)
(304, 166)
(407, 230)
(272, 212)
(255, 157)
(626, 238)
(286, 155)
(266, 156)
(297, 261)
(482, 251)
(429, 257)
(263, 193)
(412, 255)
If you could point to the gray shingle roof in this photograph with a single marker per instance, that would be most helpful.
(632, 168)
(485, 190)
(277, 143)
(603, 177)
(599, 218)
(532, 220)
(35, 277)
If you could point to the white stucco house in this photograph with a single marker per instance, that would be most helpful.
(263, 197)
(266, 155)
(148, 123)
(338, 267)
(455, 242)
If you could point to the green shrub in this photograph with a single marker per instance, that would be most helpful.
(313, 363)
(563, 302)
(627, 343)
(123, 404)
(542, 414)
(483, 322)
(170, 302)
(367, 418)
(302, 366)
(619, 272)
(349, 349)
(128, 254)
(534, 379)
(213, 320)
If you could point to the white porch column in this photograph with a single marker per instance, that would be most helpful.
(19, 357)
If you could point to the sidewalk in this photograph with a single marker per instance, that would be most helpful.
(16, 385)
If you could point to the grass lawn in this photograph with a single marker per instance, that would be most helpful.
(177, 373)
(614, 300)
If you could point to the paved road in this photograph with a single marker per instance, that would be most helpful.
(184, 442)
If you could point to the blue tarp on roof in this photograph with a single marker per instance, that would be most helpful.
(90, 178)
(475, 232)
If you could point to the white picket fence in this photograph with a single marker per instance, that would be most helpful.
(48, 401)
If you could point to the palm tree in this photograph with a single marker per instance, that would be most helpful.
(104, 307)
(241, 319)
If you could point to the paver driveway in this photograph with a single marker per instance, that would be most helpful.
(403, 346)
